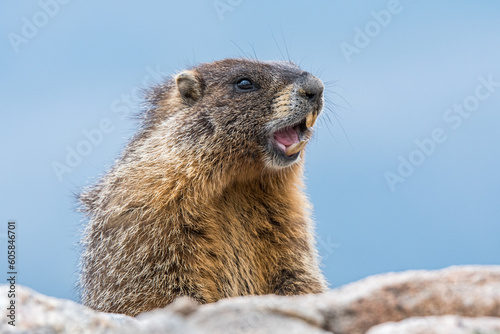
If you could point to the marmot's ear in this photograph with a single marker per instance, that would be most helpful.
(189, 86)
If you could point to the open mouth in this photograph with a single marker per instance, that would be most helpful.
(290, 140)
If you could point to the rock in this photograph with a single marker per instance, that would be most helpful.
(438, 325)
(419, 300)
(41, 314)
(259, 314)
(469, 291)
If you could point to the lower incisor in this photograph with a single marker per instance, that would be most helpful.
(295, 148)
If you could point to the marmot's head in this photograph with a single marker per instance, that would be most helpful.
(240, 112)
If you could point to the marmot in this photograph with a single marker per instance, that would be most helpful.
(207, 199)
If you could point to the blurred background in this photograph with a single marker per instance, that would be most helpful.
(403, 171)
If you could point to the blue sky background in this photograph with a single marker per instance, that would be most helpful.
(87, 58)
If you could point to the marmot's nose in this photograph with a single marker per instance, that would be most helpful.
(310, 87)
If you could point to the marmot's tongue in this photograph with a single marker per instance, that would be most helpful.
(286, 137)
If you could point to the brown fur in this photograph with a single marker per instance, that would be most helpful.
(199, 204)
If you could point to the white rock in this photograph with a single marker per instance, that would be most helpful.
(453, 300)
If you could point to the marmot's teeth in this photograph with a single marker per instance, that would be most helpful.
(311, 119)
(295, 148)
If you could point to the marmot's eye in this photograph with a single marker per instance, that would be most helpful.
(245, 84)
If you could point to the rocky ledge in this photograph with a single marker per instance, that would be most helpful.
(454, 300)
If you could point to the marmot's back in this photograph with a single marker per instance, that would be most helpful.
(206, 199)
